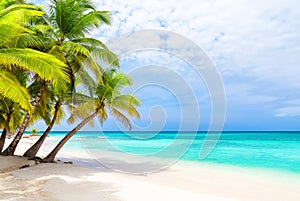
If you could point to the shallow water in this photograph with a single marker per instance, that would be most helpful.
(269, 150)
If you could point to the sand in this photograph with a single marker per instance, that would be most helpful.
(182, 181)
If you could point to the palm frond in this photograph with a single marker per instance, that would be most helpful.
(17, 118)
(126, 99)
(126, 103)
(121, 117)
(86, 81)
(20, 13)
(106, 56)
(104, 91)
(47, 97)
(133, 112)
(58, 53)
(89, 21)
(60, 115)
(42, 28)
(82, 111)
(12, 89)
(68, 98)
(90, 42)
(75, 48)
(99, 50)
(14, 31)
(30, 41)
(117, 80)
(102, 115)
(47, 66)
(95, 68)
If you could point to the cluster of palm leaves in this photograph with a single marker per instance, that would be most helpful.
(44, 59)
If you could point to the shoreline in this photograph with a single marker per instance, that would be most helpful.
(182, 181)
(79, 156)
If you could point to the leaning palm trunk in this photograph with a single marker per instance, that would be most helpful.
(5, 131)
(2, 139)
(32, 151)
(10, 150)
(53, 153)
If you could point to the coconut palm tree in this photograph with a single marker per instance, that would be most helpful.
(12, 19)
(11, 111)
(47, 66)
(34, 132)
(13, 58)
(108, 98)
(14, 101)
(11, 116)
(9, 84)
(71, 20)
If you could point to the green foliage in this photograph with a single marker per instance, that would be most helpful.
(20, 14)
(71, 20)
(34, 132)
(109, 100)
(49, 57)
(12, 89)
(74, 18)
(46, 66)
(6, 3)
(11, 114)
(16, 57)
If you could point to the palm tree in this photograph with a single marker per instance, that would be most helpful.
(34, 132)
(108, 98)
(47, 67)
(12, 58)
(9, 84)
(71, 20)
(13, 111)
(13, 94)
(10, 117)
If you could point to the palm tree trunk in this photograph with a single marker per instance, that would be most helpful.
(53, 153)
(5, 130)
(2, 139)
(32, 151)
(10, 150)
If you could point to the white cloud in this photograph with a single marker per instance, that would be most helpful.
(255, 44)
(247, 38)
(287, 112)
(259, 39)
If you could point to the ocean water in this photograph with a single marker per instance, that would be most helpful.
(278, 151)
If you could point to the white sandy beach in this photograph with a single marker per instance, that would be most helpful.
(182, 181)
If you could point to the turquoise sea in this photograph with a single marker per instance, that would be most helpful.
(270, 150)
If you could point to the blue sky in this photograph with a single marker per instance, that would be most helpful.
(255, 46)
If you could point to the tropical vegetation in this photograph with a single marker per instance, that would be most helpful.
(44, 58)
